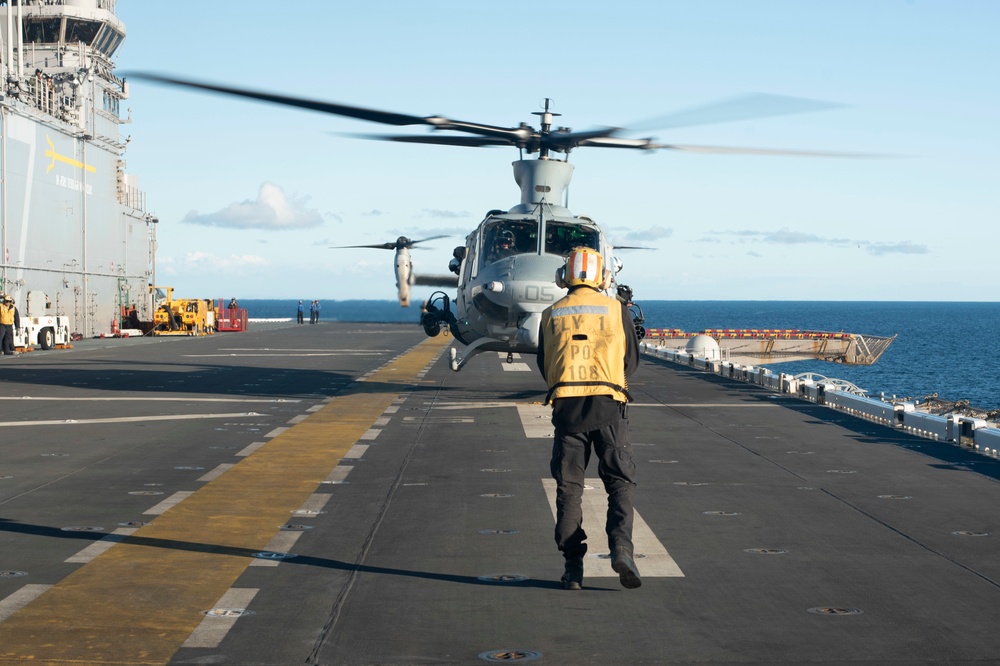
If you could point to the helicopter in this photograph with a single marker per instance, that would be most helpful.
(505, 271)
(405, 277)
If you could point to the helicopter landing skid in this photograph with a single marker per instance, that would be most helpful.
(473, 349)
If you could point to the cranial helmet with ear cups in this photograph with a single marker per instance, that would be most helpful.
(584, 266)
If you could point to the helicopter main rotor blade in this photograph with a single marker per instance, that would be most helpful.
(743, 107)
(374, 115)
(730, 150)
(566, 141)
(527, 138)
(557, 141)
(513, 134)
(437, 139)
(650, 144)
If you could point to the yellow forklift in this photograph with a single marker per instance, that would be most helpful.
(182, 316)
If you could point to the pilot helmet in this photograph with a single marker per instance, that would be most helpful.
(506, 239)
(584, 266)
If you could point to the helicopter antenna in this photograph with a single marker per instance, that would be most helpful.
(546, 117)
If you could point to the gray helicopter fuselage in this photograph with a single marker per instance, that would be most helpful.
(507, 277)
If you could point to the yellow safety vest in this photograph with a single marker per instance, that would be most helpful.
(584, 346)
(7, 314)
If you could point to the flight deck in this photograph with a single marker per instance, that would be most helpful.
(335, 494)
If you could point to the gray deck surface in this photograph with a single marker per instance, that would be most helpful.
(435, 545)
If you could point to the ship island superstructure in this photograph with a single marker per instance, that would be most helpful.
(73, 223)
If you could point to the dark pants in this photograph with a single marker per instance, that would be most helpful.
(299, 318)
(8, 340)
(570, 455)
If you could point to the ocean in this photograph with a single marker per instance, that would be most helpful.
(942, 348)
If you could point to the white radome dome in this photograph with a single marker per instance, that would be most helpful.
(704, 346)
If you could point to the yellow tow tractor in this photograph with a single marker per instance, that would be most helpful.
(182, 316)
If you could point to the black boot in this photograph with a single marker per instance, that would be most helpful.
(572, 579)
(624, 566)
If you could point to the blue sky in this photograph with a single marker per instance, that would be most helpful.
(250, 197)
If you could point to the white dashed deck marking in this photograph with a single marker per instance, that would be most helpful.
(250, 449)
(338, 474)
(217, 472)
(283, 542)
(536, 420)
(101, 546)
(20, 599)
(169, 503)
(356, 451)
(213, 629)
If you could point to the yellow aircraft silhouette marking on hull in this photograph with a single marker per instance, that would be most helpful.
(56, 157)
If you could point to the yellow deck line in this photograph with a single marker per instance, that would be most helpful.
(139, 601)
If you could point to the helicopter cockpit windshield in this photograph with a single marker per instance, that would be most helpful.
(561, 237)
(505, 238)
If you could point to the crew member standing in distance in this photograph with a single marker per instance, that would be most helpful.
(587, 347)
(8, 313)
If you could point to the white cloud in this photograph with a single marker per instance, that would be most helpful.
(444, 214)
(272, 211)
(785, 236)
(904, 247)
(207, 263)
(656, 232)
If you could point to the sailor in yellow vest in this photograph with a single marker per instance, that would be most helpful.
(587, 347)
(9, 320)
